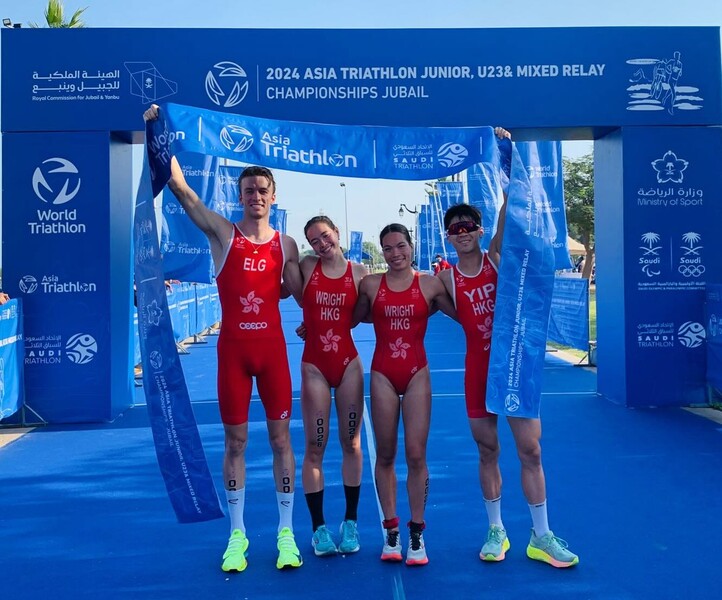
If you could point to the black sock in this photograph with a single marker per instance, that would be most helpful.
(352, 493)
(315, 507)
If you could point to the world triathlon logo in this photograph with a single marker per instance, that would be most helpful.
(226, 84)
(56, 181)
(28, 284)
(691, 334)
(236, 138)
(81, 348)
(669, 168)
(452, 154)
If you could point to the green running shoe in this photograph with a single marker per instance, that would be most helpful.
(349, 537)
(496, 545)
(288, 554)
(551, 549)
(234, 558)
(322, 542)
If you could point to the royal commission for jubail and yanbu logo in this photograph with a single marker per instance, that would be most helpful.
(56, 182)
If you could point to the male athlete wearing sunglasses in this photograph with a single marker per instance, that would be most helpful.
(472, 286)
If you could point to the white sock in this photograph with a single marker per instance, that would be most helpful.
(539, 520)
(236, 503)
(285, 510)
(493, 511)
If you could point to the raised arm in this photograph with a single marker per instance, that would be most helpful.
(495, 243)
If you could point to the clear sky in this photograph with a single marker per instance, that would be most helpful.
(371, 204)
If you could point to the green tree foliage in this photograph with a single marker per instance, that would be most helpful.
(373, 251)
(579, 199)
(55, 16)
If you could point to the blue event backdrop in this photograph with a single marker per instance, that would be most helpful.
(69, 113)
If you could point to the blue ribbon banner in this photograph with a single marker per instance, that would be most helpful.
(543, 162)
(569, 314)
(405, 153)
(423, 236)
(523, 300)
(12, 356)
(178, 445)
(449, 193)
(483, 185)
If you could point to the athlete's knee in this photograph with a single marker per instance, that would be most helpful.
(314, 454)
(280, 441)
(489, 453)
(530, 453)
(415, 458)
(236, 445)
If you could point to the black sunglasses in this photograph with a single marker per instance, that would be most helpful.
(462, 227)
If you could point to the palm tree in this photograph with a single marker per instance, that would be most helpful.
(55, 16)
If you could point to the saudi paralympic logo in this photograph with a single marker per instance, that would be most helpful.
(236, 138)
(218, 93)
(452, 154)
(53, 179)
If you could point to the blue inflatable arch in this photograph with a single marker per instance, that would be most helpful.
(649, 97)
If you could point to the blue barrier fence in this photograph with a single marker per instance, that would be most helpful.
(194, 308)
(12, 356)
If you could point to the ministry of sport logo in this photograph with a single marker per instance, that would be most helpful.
(452, 154)
(56, 181)
(670, 168)
(226, 84)
(236, 138)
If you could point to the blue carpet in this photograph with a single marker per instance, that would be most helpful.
(84, 514)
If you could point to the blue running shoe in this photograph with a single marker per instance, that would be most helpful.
(349, 537)
(496, 545)
(322, 542)
(551, 549)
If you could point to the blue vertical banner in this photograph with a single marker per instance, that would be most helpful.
(449, 193)
(178, 445)
(355, 252)
(569, 313)
(12, 353)
(186, 252)
(543, 162)
(523, 301)
(281, 216)
(713, 320)
(424, 237)
(485, 192)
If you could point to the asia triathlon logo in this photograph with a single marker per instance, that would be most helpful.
(650, 259)
(690, 263)
(512, 403)
(28, 284)
(236, 138)
(452, 154)
(81, 348)
(226, 84)
(691, 334)
(670, 168)
(56, 181)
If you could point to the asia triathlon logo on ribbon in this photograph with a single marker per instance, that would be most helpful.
(56, 181)
(650, 260)
(691, 334)
(670, 168)
(690, 263)
(452, 154)
(28, 284)
(236, 138)
(156, 359)
(655, 85)
(81, 348)
(511, 403)
(226, 84)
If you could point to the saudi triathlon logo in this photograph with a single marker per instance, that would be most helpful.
(81, 348)
(452, 154)
(236, 138)
(226, 84)
(691, 334)
(56, 181)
